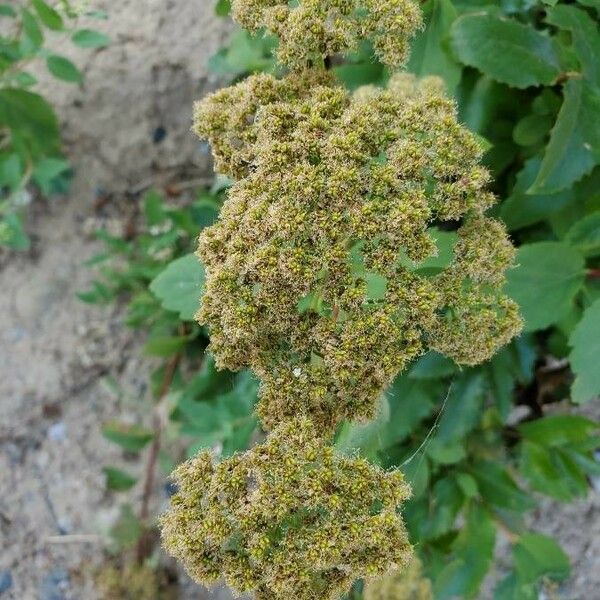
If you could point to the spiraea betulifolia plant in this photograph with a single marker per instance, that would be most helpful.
(322, 276)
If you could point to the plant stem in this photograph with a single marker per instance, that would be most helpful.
(144, 545)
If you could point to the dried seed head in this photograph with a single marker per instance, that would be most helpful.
(315, 29)
(402, 584)
(316, 270)
(287, 519)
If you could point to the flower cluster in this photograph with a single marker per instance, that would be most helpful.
(323, 277)
(315, 29)
(407, 584)
(314, 275)
(287, 519)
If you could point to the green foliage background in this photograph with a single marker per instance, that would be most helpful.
(526, 78)
(30, 144)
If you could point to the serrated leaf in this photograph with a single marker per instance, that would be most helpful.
(48, 16)
(545, 282)
(429, 53)
(63, 68)
(179, 286)
(586, 38)
(496, 45)
(132, 438)
(585, 235)
(574, 147)
(536, 555)
(118, 480)
(584, 357)
(90, 38)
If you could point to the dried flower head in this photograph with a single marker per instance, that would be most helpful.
(287, 519)
(405, 584)
(316, 273)
(314, 29)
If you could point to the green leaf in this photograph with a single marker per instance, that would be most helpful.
(474, 550)
(31, 29)
(165, 345)
(433, 366)
(545, 282)
(574, 147)
(47, 170)
(552, 472)
(497, 45)
(585, 341)
(445, 242)
(90, 38)
(436, 514)
(354, 75)
(365, 437)
(464, 406)
(410, 402)
(132, 438)
(223, 8)
(536, 555)
(179, 286)
(445, 453)
(558, 430)
(532, 129)
(127, 530)
(7, 11)
(12, 233)
(430, 54)
(117, 480)
(499, 489)
(63, 68)
(585, 235)
(586, 38)
(502, 379)
(48, 16)
(11, 171)
(522, 209)
(33, 124)
(510, 588)
(245, 54)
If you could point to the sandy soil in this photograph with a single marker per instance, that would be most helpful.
(59, 356)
